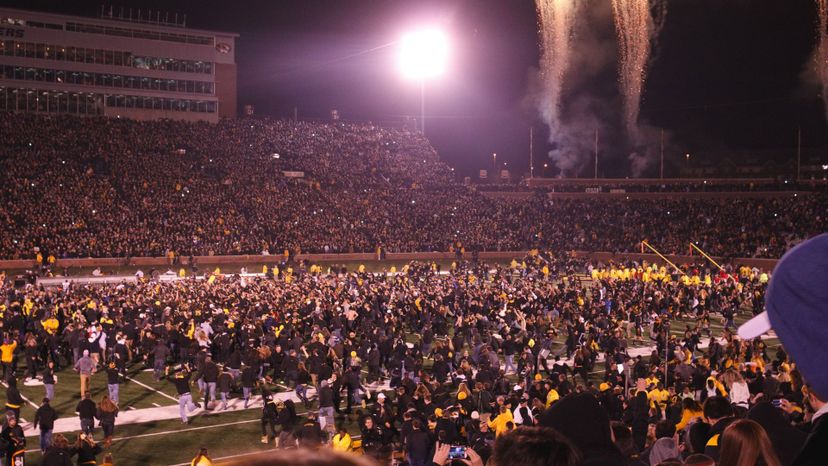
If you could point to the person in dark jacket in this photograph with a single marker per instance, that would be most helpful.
(13, 399)
(582, 420)
(160, 354)
(15, 441)
(248, 383)
(326, 405)
(786, 440)
(418, 445)
(375, 442)
(86, 412)
(87, 449)
(310, 434)
(270, 415)
(107, 412)
(185, 397)
(45, 417)
(718, 412)
(223, 384)
(49, 379)
(210, 373)
(58, 453)
(113, 381)
(814, 451)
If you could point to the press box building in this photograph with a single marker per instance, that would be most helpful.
(115, 66)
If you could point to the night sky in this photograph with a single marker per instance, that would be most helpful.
(727, 77)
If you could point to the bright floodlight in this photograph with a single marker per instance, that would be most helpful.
(423, 54)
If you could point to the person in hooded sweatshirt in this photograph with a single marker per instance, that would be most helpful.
(665, 447)
(786, 439)
(582, 420)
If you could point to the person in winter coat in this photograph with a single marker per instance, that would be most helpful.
(86, 412)
(15, 440)
(248, 383)
(581, 419)
(223, 384)
(107, 412)
(58, 454)
(45, 417)
(13, 399)
(49, 380)
(375, 441)
(87, 449)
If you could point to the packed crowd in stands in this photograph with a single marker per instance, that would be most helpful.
(483, 359)
(95, 187)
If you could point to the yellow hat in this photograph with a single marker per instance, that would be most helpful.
(462, 396)
(538, 377)
(604, 387)
(353, 354)
(438, 412)
(531, 343)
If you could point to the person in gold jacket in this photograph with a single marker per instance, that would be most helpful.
(499, 423)
(342, 440)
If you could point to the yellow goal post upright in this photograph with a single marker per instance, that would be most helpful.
(646, 244)
(704, 254)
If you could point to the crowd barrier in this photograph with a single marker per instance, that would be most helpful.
(218, 261)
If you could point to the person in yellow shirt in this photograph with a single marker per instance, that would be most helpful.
(691, 411)
(658, 397)
(7, 356)
(201, 458)
(499, 423)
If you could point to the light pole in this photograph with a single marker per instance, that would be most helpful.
(423, 56)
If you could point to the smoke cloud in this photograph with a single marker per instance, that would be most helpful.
(586, 98)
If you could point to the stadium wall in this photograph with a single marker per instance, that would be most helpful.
(764, 264)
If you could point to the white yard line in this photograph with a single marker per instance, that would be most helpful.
(150, 388)
(190, 429)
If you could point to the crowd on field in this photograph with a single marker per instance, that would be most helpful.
(422, 358)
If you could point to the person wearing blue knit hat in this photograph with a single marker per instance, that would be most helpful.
(796, 308)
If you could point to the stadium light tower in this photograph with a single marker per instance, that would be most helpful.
(423, 56)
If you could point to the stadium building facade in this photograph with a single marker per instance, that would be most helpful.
(141, 69)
